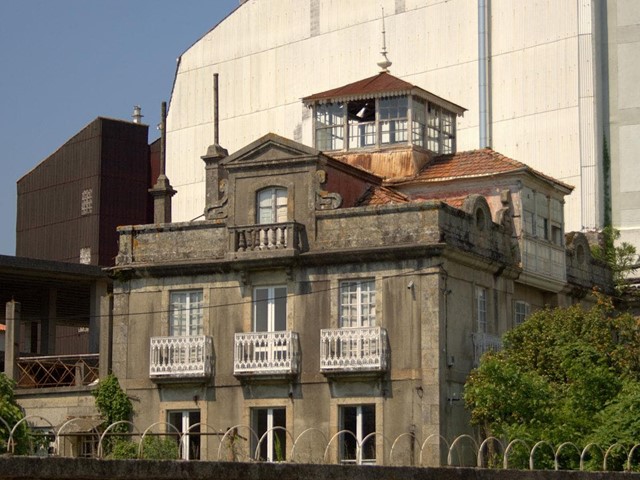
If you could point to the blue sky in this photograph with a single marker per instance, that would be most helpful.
(65, 62)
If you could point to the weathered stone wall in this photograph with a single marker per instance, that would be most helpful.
(15, 468)
(57, 404)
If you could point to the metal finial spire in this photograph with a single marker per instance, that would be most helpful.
(385, 63)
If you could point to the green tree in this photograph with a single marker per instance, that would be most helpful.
(621, 257)
(10, 415)
(113, 403)
(563, 375)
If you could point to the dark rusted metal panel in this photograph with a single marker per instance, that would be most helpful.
(109, 161)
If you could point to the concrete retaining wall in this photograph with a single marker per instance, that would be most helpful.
(86, 469)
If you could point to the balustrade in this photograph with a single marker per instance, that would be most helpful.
(483, 342)
(276, 236)
(354, 349)
(266, 353)
(180, 357)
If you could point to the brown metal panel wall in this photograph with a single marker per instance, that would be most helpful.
(49, 198)
(124, 194)
(110, 157)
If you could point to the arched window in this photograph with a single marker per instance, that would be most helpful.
(272, 205)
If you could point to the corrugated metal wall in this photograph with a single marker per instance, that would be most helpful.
(270, 54)
(107, 158)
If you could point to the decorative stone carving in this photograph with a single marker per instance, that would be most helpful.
(328, 201)
(324, 199)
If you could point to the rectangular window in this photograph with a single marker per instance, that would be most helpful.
(418, 121)
(556, 222)
(85, 255)
(272, 205)
(185, 313)
(521, 311)
(481, 309)
(357, 303)
(186, 422)
(360, 420)
(330, 126)
(542, 216)
(393, 120)
(269, 424)
(269, 309)
(86, 203)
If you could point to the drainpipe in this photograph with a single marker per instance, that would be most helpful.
(483, 72)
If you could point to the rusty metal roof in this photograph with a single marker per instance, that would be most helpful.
(380, 85)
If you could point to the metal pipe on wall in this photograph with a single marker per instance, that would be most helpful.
(483, 73)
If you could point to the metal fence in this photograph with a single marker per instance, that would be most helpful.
(241, 443)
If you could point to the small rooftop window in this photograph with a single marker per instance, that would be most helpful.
(383, 111)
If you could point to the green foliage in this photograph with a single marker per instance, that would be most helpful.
(564, 375)
(11, 413)
(122, 449)
(621, 257)
(154, 448)
(112, 403)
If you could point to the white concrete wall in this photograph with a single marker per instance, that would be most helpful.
(624, 111)
(271, 53)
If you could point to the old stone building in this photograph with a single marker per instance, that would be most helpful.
(347, 287)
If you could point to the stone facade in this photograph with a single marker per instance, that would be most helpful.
(436, 286)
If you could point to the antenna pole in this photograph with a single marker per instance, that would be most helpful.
(384, 63)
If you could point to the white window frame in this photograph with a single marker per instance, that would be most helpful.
(329, 126)
(542, 216)
(361, 312)
(270, 432)
(481, 309)
(521, 311)
(359, 434)
(190, 305)
(274, 294)
(352, 126)
(185, 432)
(271, 205)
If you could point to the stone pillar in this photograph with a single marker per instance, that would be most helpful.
(48, 323)
(162, 191)
(12, 339)
(98, 291)
(213, 178)
(105, 320)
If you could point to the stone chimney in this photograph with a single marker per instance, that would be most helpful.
(215, 175)
(162, 191)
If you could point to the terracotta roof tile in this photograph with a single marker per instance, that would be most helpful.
(381, 196)
(474, 163)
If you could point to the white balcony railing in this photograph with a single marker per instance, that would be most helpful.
(266, 353)
(354, 350)
(483, 342)
(181, 357)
